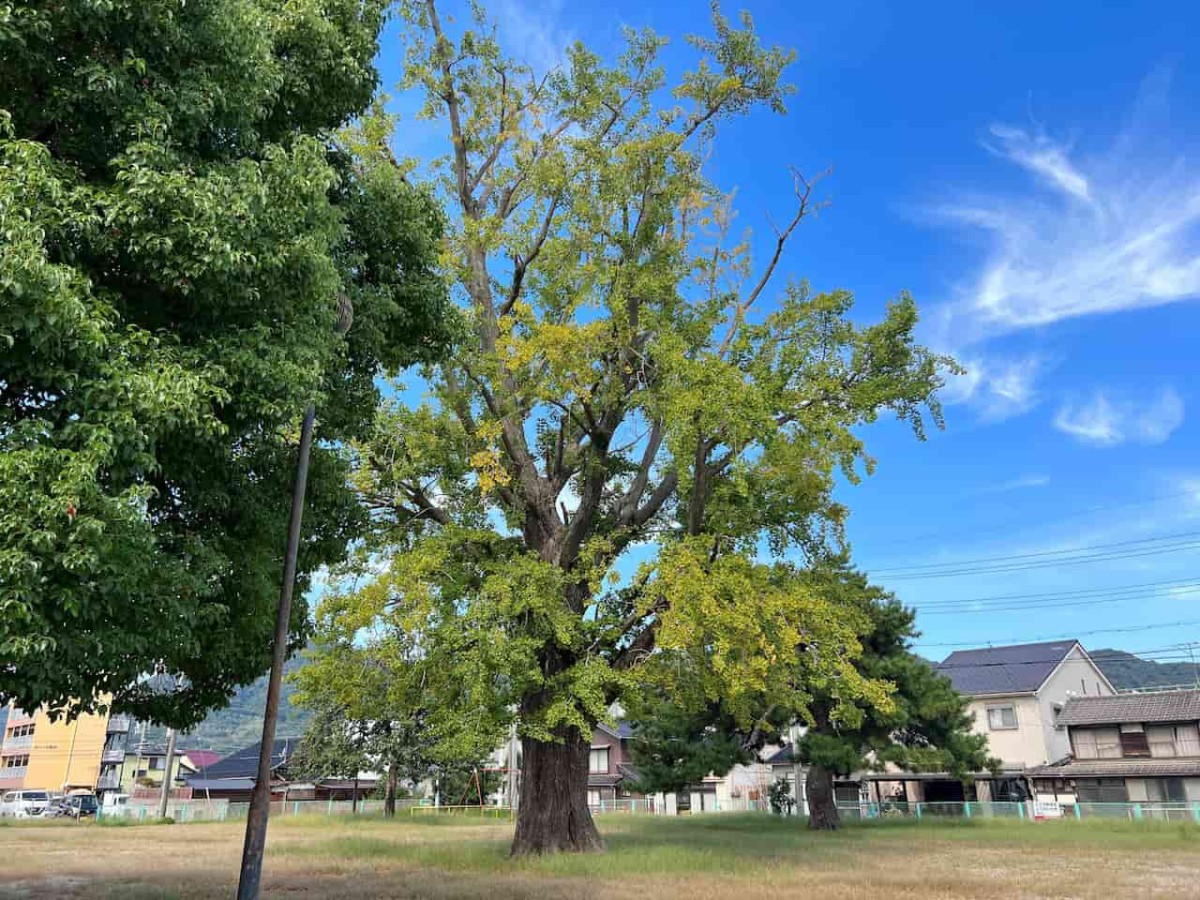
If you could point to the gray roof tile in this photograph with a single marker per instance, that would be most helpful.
(1019, 669)
(1117, 768)
(1161, 706)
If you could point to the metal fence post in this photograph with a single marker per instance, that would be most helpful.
(1078, 813)
(1021, 810)
(918, 810)
(1137, 811)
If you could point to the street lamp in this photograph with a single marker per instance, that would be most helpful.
(260, 799)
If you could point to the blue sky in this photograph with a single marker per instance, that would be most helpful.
(1028, 172)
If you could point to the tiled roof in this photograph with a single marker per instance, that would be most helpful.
(784, 756)
(623, 729)
(1116, 768)
(1160, 706)
(1019, 669)
(602, 779)
(244, 763)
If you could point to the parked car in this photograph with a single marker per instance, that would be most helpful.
(76, 806)
(23, 804)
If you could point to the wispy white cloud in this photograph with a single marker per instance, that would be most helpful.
(1111, 235)
(1084, 234)
(997, 388)
(533, 34)
(1105, 421)
(1020, 483)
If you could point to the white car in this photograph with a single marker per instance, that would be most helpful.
(23, 804)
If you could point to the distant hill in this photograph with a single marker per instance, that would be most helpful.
(240, 723)
(1127, 671)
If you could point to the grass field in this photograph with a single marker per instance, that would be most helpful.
(740, 856)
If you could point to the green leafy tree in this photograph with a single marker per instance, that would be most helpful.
(180, 213)
(924, 727)
(618, 387)
(376, 687)
(333, 746)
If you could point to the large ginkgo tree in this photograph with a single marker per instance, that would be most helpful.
(639, 417)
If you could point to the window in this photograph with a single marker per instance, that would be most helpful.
(16, 762)
(598, 760)
(1165, 790)
(1002, 718)
(1134, 742)
(155, 764)
(1161, 739)
(1187, 740)
(1084, 742)
(1108, 743)
(1101, 790)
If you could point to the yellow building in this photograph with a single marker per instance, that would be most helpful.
(40, 754)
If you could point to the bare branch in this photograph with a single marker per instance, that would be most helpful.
(522, 263)
(803, 189)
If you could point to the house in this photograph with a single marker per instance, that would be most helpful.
(1015, 695)
(611, 774)
(233, 778)
(144, 766)
(1127, 748)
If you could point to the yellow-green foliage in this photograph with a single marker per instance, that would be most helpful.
(631, 377)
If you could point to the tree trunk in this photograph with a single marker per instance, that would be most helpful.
(389, 795)
(552, 815)
(822, 802)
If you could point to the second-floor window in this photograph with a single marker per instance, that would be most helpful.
(21, 731)
(1173, 740)
(1002, 718)
(1096, 743)
(598, 760)
(16, 762)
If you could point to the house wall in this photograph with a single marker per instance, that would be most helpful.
(1016, 748)
(1077, 676)
(66, 754)
(1192, 787)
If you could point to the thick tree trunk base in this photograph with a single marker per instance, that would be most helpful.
(553, 815)
(822, 802)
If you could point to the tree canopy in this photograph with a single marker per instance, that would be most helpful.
(924, 726)
(181, 207)
(631, 381)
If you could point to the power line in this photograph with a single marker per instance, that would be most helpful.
(1174, 653)
(989, 560)
(1063, 637)
(1044, 605)
(1076, 592)
(1003, 525)
(1080, 559)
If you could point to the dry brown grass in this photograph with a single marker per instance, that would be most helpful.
(745, 857)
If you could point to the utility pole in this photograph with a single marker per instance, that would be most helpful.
(165, 795)
(260, 800)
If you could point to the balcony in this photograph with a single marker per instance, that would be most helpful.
(12, 776)
(112, 755)
(12, 744)
(119, 724)
(109, 781)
